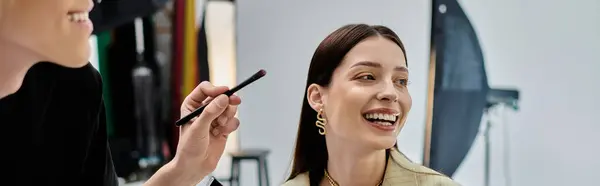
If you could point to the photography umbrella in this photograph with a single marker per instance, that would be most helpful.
(461, 86)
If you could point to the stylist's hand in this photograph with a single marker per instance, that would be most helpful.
(202, 140)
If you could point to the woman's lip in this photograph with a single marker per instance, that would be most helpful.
(383, 111)
(87, 9)
(87, 25)
(387, 128)
(79, 11)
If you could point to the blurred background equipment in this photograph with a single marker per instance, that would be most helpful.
(459, 88)
(109, 14)
(459, 94)
(132, 74)
(152, 54)
(145, 105)
(134, 84)
(494, 99)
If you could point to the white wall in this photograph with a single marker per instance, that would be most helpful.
(546, 49)
(549, 50)
(220, 32)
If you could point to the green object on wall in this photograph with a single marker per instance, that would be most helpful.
(104, 39)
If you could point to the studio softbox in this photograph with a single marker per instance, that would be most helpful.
(460, 87)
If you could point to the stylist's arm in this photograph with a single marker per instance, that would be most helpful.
(202, 141)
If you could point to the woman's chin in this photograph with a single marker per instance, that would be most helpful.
(383, 142)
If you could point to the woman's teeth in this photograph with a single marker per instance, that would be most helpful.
(79, 17)
(384, 123)
(382, 119)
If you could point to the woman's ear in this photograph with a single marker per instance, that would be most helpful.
(315, 95)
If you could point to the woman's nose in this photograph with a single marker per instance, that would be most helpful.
(388, 93)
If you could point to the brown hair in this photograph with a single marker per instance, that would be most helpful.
(310, 153)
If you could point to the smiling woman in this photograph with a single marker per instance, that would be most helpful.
(355, 105)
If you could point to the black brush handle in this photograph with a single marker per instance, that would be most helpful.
(230, 92)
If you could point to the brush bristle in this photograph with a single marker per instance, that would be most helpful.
(261, 72)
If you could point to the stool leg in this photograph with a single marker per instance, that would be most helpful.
(260, 175)
(266, 170)
(235, 173)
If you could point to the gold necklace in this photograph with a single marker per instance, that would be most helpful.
(334, 183)
(331, 181)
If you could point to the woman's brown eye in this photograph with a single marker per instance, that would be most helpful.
(367, 77)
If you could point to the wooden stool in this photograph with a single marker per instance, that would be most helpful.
(258, 155)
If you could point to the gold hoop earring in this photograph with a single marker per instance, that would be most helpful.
(321, 122)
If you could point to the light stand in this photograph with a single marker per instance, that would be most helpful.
(496, 97)
(147, 141)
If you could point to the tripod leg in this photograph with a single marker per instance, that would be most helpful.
(487, 152)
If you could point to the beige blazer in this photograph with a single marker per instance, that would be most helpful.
(399, 172)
